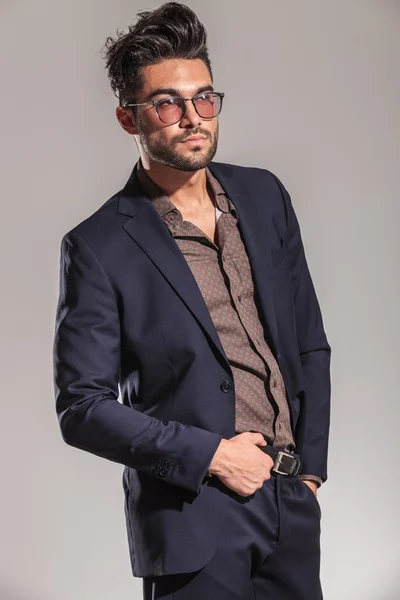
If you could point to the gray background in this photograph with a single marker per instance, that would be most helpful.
(323, 88)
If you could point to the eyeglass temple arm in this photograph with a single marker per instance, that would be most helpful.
(154, 101)
(141, 104)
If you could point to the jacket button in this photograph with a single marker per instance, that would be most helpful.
(226, 386)
(162, 471)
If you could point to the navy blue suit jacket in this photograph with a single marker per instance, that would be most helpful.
(130, 314)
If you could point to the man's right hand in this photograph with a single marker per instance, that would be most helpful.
(240, 465)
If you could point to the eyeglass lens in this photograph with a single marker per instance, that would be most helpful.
(170, 110)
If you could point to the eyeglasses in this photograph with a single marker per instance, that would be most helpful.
(172, 109)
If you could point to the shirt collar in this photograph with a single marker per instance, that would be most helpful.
(164, 205)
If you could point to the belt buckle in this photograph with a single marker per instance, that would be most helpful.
(278, 462)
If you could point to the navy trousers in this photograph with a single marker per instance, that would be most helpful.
(269, 549)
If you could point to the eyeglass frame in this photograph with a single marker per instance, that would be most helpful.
(155, 103)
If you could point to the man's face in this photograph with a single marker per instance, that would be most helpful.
(165, 143)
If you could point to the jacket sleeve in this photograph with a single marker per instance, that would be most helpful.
(312, 431)
(86, 368)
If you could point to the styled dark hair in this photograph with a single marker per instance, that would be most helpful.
(172, 30)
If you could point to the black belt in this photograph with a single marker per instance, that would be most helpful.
(285, 463)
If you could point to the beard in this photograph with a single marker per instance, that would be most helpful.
(167, 155)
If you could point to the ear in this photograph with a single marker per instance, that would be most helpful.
(126, 119)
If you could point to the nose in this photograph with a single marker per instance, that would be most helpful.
(191, 118)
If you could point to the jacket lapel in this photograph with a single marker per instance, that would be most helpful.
(150, 233)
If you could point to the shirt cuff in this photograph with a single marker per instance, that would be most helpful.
(315, 478)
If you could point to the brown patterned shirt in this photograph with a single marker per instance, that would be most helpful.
(222, 272)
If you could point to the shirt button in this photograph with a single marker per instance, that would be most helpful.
(239, 298)
(226, 386)
(259, 341)
(274, 382)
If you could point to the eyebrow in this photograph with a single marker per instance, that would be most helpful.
(173, 92)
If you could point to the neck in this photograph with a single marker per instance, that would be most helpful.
(187, 190)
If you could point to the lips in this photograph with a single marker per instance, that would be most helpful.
(194, 139)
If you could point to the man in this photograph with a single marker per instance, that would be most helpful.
(190, 289)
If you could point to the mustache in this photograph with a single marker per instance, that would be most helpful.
(202, 132)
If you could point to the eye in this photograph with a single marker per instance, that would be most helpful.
(206, 97)
(165, 102)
